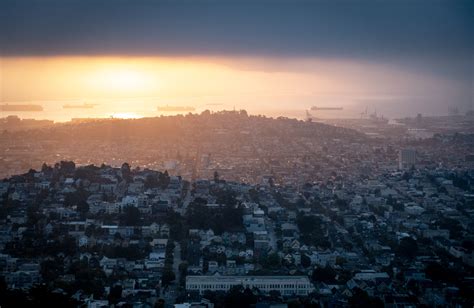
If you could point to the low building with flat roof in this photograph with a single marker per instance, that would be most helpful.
(286, 285)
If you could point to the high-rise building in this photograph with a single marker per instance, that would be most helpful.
(406, 158)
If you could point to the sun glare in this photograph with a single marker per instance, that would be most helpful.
(121, 76)
(122, 79)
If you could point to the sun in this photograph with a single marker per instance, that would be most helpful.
(121, 77)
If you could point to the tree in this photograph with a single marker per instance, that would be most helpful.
(67, 167)
(90, 280)
(324, 274)
(151, 181)
(311, 228)
(42, 296)
(175, 221)
(183, 270)
(168, 276)
(77, 197)
(115, 294)
(83, 207)
(440, 273)
(93, 230)
(47, 170)
(341, 204)
(239, 297)
(226, 197)
(454, 227)
(408, 247)
(130, 217)
(272, 261)
(164, 179)
(406, 176)
(360, 298)
(274, 295)
(89, 172)
(33, 216)
(226, 218)
(397, 206)
(253, 194)
(50, 270)
(160, 303)
(308, 224)
(126, 172)
(305, 261)
(271, 182)
(340, 260)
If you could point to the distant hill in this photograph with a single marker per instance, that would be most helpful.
(204, 125)
(240, 147)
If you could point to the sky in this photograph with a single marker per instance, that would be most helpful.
(273, 57)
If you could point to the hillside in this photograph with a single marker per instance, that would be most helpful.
(227, 141)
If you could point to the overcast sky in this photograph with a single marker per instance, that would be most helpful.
(431, 37)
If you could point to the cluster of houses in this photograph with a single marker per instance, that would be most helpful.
(366, 227)
(375, 235)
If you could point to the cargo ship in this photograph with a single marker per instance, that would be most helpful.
(83, 106)
(175, 108)
(316, 108)
(15, 107)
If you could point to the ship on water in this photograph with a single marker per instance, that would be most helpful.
(82, 106)
(20, 107)
(176, 108)
(316, 108)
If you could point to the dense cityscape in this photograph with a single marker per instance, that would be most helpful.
(244, 211)
(240, 147)
(237, 154)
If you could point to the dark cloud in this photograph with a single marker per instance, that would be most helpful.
(430, 34)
